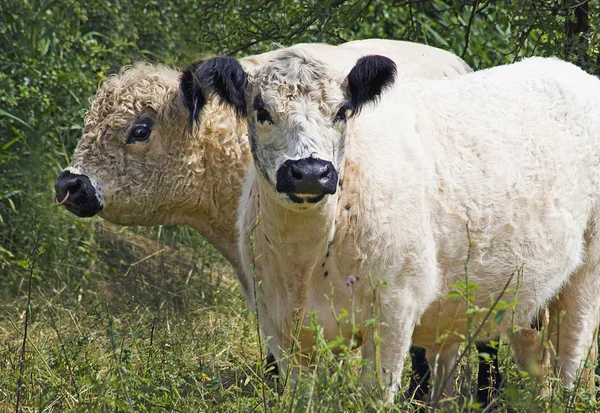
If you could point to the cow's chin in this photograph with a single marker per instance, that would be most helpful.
(302, 202)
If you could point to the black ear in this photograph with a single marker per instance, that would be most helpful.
(368, 79)
(222, 76)
(191, 93)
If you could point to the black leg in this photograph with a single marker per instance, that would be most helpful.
(419, 379)
(488, 376)
(272, 367)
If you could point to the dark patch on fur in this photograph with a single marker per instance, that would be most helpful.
(191, 93)
(326, 273)
(272, 369)
(258, 102)
(225, 77)
(368, 79)
(222, 76)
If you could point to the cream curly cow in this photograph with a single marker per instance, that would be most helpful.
(512, 154)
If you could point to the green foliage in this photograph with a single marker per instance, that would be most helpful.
(113, 329)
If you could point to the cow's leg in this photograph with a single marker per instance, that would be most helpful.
(441, 362)
(488, 377)
(280, 361)
(529, 349)
(576, 318)
(573, 333)
(400, 303)
(488, 374)
(389, 351)
(387, 342)
(289, 362)
(272, 369)
(419, 378)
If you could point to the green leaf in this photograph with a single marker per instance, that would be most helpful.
(8, 115)
(499, 316)
(6, 252)
(11, 142)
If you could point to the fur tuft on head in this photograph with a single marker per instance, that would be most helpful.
(368, 79)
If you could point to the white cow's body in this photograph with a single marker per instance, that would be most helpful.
(512, 152)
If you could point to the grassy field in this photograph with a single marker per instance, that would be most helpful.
(156, 323)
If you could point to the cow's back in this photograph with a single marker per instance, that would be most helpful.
(413, 60)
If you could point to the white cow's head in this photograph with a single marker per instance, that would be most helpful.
(297, 109)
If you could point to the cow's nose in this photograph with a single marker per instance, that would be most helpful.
(309, 176)
(77, 194)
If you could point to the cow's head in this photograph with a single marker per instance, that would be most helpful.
(137, 163)
(297, 110)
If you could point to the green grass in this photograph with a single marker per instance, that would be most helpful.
(151, 320)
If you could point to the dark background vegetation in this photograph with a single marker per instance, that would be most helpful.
(54, 53)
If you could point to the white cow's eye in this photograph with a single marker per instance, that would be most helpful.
(262, 116)
(340, 116)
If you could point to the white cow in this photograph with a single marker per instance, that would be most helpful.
(511, 153)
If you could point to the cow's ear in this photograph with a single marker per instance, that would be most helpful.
(222, 76)
(368, 79)
(191, 92)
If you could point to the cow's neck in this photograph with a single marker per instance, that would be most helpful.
(217, 157)
(301, 239)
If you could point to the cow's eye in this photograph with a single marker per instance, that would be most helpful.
(340, 116)
(139, 133)
(262, 116)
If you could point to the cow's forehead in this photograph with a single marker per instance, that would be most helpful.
(128, 94)
(296, 75)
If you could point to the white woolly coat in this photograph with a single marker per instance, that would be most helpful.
(511, 154)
